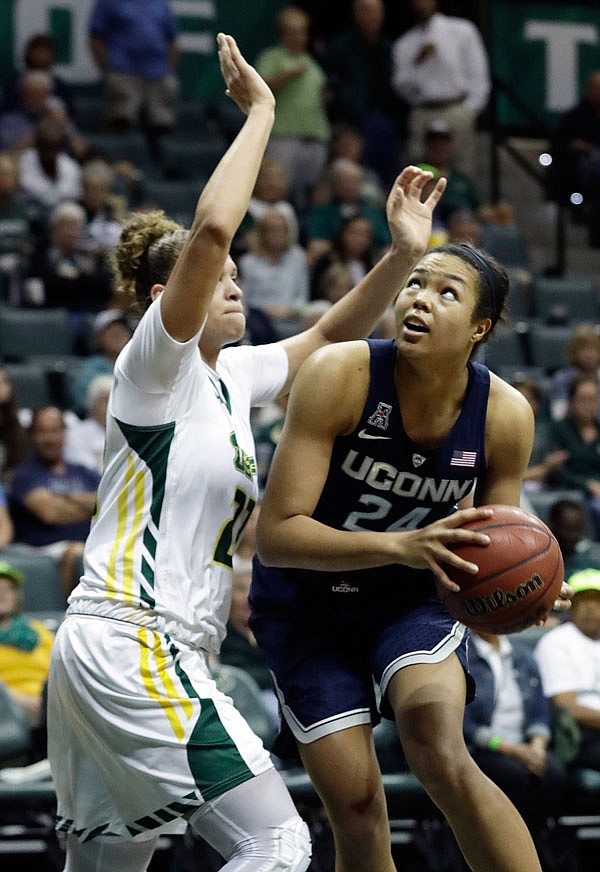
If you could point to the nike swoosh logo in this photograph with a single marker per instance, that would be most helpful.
(364, 435)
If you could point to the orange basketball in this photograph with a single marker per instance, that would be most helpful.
(520, 574)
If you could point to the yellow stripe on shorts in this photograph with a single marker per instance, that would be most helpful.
(172, 698)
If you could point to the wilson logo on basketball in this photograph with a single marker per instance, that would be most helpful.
(502, 599)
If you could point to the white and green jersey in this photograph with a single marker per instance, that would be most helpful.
(179, 483)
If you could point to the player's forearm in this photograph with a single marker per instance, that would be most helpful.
(300, 542)
(224, 200)
(357, 313)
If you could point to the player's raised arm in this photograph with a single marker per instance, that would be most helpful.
(224, 200)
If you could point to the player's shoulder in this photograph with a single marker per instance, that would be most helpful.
(339, 358)
(504, 398)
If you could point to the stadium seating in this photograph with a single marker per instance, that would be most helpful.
(24, 332)
(565, 300)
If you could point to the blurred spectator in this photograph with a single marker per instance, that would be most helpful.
(110, 335)
(267, 431)
(583, 358)
(135, 47)
(274, 273)
(568, 656)
(359, 67)
(39, 54)
(301, 130)
(349, 143)
(84, 440)
(239, 646)
(16, 229)
(576, 151)
(72, 277)
(568, 521)
(48, 174)
(352, 246)
(270, 194)
(104, 208)
(25, 646)
(334, 283)
(345, 201)
(441, 70)
(439, 150)
(508, 729)
(17, 127)
(13, 438)
(544, 460)
(6, 524)
(52, 501)
(578, 433)
(463, 226)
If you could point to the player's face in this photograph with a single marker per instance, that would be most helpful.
(434, 311)
(226, 320)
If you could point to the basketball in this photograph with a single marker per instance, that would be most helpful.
(520, 574)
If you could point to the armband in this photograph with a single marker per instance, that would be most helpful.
(495, 743)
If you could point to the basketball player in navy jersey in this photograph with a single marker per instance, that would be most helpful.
(382, 440)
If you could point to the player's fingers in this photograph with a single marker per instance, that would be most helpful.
(443, 579)
(562, 605)
(441, 576)
(405, 177)
(460, 536)
(228, 67)
(452, 559)
(434, 197)
(418, 182)
(466, 516)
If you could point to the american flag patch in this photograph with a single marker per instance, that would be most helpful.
(463, 458)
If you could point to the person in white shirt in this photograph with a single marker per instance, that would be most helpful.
(48, 174)
(568, 657)
(84, 439)
(440, 68)
(140, 740)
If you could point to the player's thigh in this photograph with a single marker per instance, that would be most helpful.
(428, 701)
(105, 853)
(344, 769)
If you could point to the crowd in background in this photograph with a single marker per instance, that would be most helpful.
(348, 117)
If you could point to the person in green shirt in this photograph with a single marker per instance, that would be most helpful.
(301, 131)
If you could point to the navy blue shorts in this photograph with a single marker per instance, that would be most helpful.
(324, 666)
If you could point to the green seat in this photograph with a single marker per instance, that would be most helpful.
(42, 590)
(32, 385)
(15, 738)
(567, 299)
(547, 345)
(184, 159)
(24, 332)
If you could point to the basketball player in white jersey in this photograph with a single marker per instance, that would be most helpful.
(140, 740)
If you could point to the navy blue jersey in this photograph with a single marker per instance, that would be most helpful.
(380, 480)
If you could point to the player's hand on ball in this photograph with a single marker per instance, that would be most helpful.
(562, 603)
(431, 547)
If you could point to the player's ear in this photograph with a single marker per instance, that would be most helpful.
(482, 328)
(156, 291)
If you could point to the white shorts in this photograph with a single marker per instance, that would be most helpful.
(138, 733)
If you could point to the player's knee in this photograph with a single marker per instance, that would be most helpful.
(286, 848)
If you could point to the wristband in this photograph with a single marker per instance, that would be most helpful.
(495, 743)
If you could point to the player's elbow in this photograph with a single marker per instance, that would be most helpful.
(268, 543)
(210, 227)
